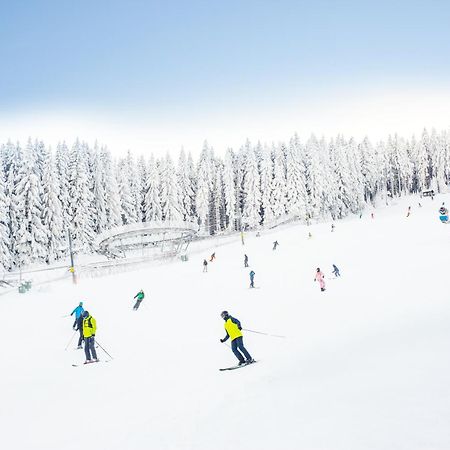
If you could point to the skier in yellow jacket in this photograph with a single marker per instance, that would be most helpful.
(89, 329)
(233, 329)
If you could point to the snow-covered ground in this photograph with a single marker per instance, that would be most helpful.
(364, 365)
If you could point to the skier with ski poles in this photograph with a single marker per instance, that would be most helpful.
(275, 245)
(89, 330)
(78, 311)
(233, 329)
(320, 278)
(205, 265)
(252, 279)
(213, 257)
(139, 297)
(80, 329)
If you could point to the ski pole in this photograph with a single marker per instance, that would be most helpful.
(98, 343)
(73, 335)
(224, 343)
(265, 334)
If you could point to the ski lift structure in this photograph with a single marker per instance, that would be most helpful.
(147, 240)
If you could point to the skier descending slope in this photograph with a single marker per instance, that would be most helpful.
(233, 329)
(78, 311)
(275, 245)
(252, 279)
(245, 261)
(139, 297)
(320, 278)
(336, 271)
(205, 265)
(80, 329)
(89, 329)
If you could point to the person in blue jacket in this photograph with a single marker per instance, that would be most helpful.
(252, 279)
(78, 311)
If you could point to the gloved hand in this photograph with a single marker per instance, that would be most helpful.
(92, 335)
(240, 328)
(222, 340)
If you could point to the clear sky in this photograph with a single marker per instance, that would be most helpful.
(156, 75)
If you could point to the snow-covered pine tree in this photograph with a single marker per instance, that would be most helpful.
(251, 187)
(278, 186)
(31, 237)
(295, 180)
(229, 189)
(80, 200)
(52, 210)
(202, 198)
(169, 191)
(127, 198)
(141, 176)
(62, 158)
(266, 176)
(5, 237)
(185, 186)
(368, 170)
(152, 200)
(111, 189)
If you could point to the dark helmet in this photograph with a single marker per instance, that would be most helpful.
(85, 314)
(318, 269)
(224, 314)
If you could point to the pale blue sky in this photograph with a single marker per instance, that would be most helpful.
(195, 66)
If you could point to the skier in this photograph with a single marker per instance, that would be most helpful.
(336, 271)
(252, 279)
(309, 235)
(205, 265)
(89, 329)
(275, 245)
(332, 227)
(245, 261)
(372, 215)
(139, 297)
(78, 311)
(320, 278)
(409, 211)
(80, 329)
(213, 257)
(233, 329)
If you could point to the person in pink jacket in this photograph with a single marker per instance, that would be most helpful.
(320, 278)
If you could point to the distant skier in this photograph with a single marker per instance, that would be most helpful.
(320, 278)
(275, 245)
(205, 265)
(80, 329)
(213, 257)
(89, 329)
(409, 211)
(78, 311)
(139, 297)
(336, 271)
(372, 215)
(252, 279)
(332, 227)
(233, 329)
(309, 235)
(245, 261)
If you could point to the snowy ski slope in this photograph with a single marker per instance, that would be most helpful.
(365, 365)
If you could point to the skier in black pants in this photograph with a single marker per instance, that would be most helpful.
(275, 245)
(80, 329)
(336, 271)
(245, 261)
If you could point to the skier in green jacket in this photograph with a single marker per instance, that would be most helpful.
(139, 297)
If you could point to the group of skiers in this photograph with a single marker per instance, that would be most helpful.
(86, 325)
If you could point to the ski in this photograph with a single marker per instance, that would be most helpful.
(88, 364)
(237, 366)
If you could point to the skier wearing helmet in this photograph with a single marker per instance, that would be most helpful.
(89, 329)
(233, 329)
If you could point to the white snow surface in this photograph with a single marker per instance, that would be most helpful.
(364, 365)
